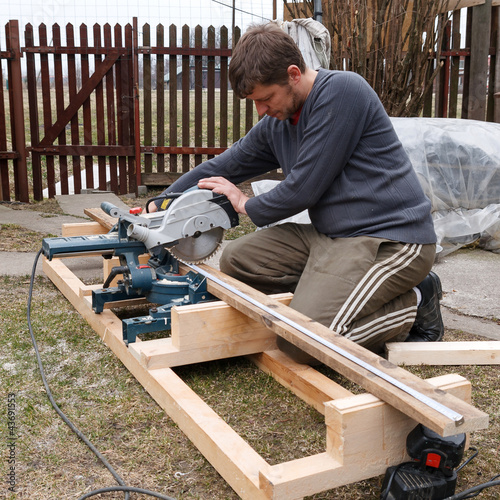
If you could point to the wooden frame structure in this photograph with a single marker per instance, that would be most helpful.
(365, 435)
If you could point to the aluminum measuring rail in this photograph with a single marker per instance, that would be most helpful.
(431, 403)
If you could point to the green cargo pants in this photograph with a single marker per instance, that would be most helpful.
(359, 287)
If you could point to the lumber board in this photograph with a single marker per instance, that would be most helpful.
(82, 228)
(161, 353)
(233, 458)
(100, 216)
(304, 381)
(206, 332)
(444, 353)
(473, 419)
(364, 437)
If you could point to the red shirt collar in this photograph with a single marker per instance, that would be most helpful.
(294, 119)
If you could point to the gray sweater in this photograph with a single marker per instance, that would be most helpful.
(342, 161)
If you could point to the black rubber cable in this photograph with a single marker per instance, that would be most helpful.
(66, 420)
(124, 488)
(475, 489)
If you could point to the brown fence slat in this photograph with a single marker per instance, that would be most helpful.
(211, 90)
(160, 98)
(481, 25)
(146, 82)
(87, 110)
(36, 160)
(223, 89)
(47, 107)
(59, 87)
(493, 78)
(111, 115)
(120, 69)
(75, 126)
(129, 102)
(455, 66)
(198, 93)
(4, 163)
(99, 111)
(236, 101)
(16, 111)
(186, 133)
(172, 94)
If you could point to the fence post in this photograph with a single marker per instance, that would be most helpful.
(496, 83)
(17, 111)
(480, 45)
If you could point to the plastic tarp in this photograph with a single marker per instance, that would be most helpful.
(458, 164)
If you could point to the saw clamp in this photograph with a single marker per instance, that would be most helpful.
(190, 230)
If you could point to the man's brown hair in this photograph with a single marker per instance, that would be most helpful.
(262, 56)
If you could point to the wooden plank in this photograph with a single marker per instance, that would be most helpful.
(205, 332)
(233, 458)
(473, 419)
(365, 436)
(83, 228)
(444, 353)
(100, 216)
(305, 382)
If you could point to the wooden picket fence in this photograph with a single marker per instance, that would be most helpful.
(105, 112)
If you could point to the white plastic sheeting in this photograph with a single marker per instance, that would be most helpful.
(458, 164)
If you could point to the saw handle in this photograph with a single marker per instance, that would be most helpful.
(168, 196)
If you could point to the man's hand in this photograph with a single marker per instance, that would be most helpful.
(220, 185)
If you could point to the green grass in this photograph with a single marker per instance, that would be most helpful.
(106, 402)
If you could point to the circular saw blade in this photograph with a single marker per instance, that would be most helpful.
(197, 249)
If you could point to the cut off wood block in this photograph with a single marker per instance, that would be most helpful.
(444, 353)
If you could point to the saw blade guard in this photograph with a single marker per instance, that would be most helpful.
(190, 215)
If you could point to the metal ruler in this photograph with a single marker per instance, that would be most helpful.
(431, 403)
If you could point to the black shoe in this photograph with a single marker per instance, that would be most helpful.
(428, 326)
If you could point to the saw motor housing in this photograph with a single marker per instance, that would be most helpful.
(194, 220)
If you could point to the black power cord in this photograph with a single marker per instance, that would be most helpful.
(474, 491)
(122, 486)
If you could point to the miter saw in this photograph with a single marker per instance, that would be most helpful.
(190, 230)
